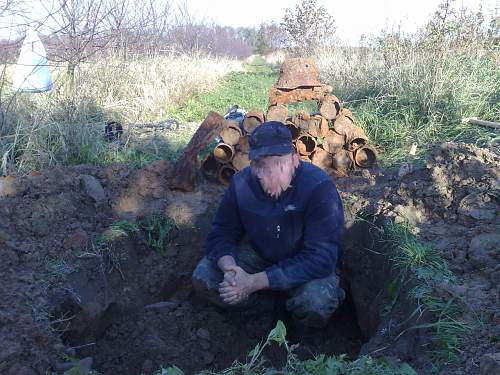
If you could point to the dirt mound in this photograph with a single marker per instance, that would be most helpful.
(133, 309)
(453, 205)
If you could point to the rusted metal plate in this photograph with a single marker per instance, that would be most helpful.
(183, 175)
(298, 72)
(278, 96)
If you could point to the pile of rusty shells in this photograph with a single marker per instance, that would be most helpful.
(329, 138)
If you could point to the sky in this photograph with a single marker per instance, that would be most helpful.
(353, 18)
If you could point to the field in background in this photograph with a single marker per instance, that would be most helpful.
(66, 125)
(403, 93)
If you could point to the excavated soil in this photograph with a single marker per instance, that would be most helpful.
(132, 310)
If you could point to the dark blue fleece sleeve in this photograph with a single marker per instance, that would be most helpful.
(323, 227)
(227, 228)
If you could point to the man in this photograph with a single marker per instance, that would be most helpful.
(292, 215)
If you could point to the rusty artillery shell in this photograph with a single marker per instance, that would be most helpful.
(294, 129)
(223, 153)
(253, 119)
(347, 113)
(365, 156)
(231, 133)
(318, 126)
(301, 120)
(356, 139)
(342, 162)
(210, 167)
(226, 173)
(305, 144)
(322, 158)
(277, 113)
(329, 107)
(243, 145)
(333, 142)
(240, 160)
(344, 125)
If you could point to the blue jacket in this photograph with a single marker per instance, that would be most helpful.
(299, 233)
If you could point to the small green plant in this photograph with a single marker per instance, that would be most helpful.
(158, 230)
(427, 269)
(320, 365)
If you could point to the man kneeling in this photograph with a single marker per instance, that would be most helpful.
(292, 215)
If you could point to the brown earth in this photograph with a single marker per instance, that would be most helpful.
(131, 309)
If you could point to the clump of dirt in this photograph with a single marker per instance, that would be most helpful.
(133, 310)
(453, 205)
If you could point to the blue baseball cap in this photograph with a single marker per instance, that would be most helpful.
(269, 139)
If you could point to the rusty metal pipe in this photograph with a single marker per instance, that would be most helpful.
(226, 173)
(342, 162)
(322, 158)
(329, 107)
(210, 167)
(294, 130)
(333, 142)
(365, 157)
(223, 152)
(318, 126)
(306, 144)
(253, 119)
(356, 139)
(301, 120)
(231, 133)
(277, 113)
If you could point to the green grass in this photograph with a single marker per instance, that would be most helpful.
(248, 89)
(158, 231)
(320, 365)
(426, 269)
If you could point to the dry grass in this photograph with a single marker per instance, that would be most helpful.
(403, 91)
(66, 124)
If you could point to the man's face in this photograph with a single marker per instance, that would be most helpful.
(275, 172)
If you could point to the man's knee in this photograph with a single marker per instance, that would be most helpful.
(313, 303)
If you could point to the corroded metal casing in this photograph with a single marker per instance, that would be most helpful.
(298, 72)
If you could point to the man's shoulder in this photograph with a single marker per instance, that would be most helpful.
(313, 175)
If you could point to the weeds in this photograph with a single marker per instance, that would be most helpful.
(321, 364)
(158, 231)
(66, 126)
(427, 269)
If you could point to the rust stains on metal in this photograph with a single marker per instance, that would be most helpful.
(277, 96)
(223, 152)
(253, 119)
(298, 72)
(231, 133)
(365, 157)
(306, 144)
(277, 113)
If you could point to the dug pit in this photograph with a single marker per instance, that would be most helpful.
(144, 314)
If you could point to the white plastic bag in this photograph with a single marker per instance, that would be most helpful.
(32, 72)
